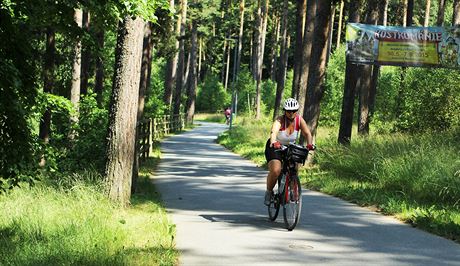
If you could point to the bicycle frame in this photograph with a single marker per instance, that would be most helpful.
(289, 194)
(289, 169)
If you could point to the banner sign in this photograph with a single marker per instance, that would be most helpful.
(403, 46)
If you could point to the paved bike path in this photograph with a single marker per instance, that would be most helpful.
(215, 198)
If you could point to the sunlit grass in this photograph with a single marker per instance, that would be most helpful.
(210, 117)
(75, 224)
(413, 177)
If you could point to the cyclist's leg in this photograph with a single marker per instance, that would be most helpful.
(274, 167)
(274, 170)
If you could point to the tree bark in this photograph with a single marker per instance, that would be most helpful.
(260, 58)
(426, 22)
(300, 23)
(86, 56)
(331, 30)
(99, 86)
(180, 63)
(144, 84)
(227, 66)
(441, 11)
(368, 87)
(187, 70)
(400, 100)
(192, 83)
(123, 110)
(171, 67)
(200, 53)
(48, 79)
(256, 42)
(274, 52)
(315, 90)
(350, 86)
(281, 76)
(308, 38)
(404, 16)
(339, 26)
(76, 73)
(384, 17)
(456, 13)
(240, 38)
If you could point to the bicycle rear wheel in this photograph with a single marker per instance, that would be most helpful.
(274, 206)
(293, 203)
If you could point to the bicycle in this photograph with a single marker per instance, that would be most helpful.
(288, 189)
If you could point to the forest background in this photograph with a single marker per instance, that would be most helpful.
(72, 72)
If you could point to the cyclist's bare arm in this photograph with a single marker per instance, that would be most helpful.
(306, 131)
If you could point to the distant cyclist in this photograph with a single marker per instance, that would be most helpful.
(284, 130)
(228, 113)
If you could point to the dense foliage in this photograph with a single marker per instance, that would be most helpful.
(25, 25)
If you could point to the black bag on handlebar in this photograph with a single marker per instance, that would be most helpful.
(297, 153)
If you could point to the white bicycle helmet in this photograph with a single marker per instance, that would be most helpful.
(291, 104)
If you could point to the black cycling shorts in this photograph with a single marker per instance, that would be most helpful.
(270, 153)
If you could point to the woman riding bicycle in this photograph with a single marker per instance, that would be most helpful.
(284, 130)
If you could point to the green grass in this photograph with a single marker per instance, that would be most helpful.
(210, 117)
(413, 177)
(73, 223)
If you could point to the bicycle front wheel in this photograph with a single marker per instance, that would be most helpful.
(293, 203)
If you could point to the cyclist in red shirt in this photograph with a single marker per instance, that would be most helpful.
(228, 113)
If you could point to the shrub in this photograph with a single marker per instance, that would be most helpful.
(211, 96)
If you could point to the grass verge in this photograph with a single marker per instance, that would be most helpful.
(75, 224)
(210, 117)
(413, 177)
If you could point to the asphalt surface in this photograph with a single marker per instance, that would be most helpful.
(215, 198)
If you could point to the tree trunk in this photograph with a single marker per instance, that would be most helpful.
(227, 67)
(76, 73)
(331, 29)
(48, 78)
(300, 23)
(281, 76)
(339, 27)
(240, 38)
(180, 62)
(187, 69)
(367, 87)
(426, 22)
(456, 13)
(260, 58)
(274, 53)
(123, 110)
(315, 90)
(86, 56)
(350, 86)
(256, 42)
(192, 83)
(99, 86)
(404, 16)
(400, 100)
(199, 60)
(441, 11)
(308, 38)
(143, 89)
(410, 12)
(384, 16)
(171, 67)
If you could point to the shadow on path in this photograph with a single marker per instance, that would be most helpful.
(216, 199)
